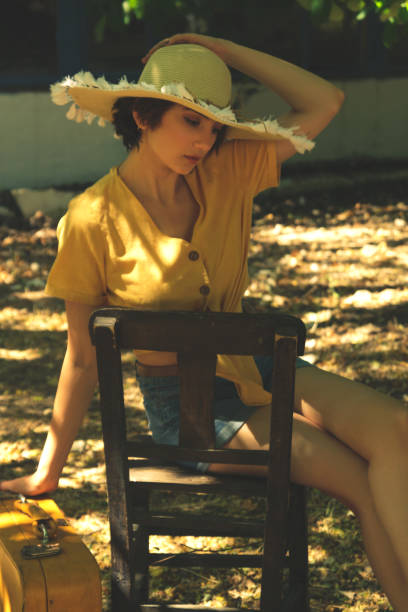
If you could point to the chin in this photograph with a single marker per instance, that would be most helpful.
(184, 171)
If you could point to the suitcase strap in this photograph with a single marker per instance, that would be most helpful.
(44, 527)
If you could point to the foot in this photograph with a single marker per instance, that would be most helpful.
(29, 486)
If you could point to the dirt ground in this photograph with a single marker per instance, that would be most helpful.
(332, 250)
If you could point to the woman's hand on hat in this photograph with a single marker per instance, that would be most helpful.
(219, 46)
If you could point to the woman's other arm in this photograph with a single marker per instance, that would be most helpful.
(76, 386)
(314, 101)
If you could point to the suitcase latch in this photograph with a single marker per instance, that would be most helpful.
(44, 527)
(36, 551)
(45, 549)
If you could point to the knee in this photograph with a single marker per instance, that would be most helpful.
(394, 432)
(401, 423)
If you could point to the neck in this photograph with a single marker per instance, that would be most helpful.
(148, 178)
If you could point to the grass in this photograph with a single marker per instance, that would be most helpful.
(337, 262)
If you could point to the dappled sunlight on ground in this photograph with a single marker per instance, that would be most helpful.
(342, 270)
(20, 355)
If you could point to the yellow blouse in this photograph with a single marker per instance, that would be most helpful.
(111, 252)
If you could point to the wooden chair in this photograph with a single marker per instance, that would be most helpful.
(135, 469)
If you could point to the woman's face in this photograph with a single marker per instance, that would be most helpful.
(182, 139)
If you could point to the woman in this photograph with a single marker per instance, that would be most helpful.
(169, 229)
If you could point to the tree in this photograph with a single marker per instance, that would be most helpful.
(265, 26)
(274, 26)
(222, 16)
(225, 18)
(392, 13)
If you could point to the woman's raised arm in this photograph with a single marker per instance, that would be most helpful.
(314, 101)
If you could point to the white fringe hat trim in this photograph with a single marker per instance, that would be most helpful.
(60, 95)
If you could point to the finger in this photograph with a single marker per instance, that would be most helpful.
(172, 40)
(163, 43)
(5, 486)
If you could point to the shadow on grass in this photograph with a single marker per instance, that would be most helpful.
(338, 566)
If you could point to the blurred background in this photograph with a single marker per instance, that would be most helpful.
(361, 45)
(330, 245)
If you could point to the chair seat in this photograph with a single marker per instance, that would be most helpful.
(145, 472)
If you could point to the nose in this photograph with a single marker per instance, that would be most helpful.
(206, 139)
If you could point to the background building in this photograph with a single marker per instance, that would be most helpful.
(44, 40)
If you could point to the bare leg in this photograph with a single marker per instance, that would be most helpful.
(320, 460)
(376, 428)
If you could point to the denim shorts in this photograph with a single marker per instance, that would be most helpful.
(161, 401)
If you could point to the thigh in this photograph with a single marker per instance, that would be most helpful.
(344, 411)
(318, 459)
(360, 417)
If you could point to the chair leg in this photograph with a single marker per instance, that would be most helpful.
(121, 581)
(141, 567)
(298, 550)
(130, 569)
(140, 560)
(272, 566)
(129, 592)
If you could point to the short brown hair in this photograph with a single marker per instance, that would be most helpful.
(150, 112)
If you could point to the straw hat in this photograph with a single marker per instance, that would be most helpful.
(186, 74)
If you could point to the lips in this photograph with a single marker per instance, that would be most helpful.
(193, 160)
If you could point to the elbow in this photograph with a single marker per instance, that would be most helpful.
(86, 370)
(333, 104)
(338, 100)
(86, 365)
(82, 358)
(340, 96)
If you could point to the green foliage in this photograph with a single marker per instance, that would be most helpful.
(224, 18)
(230, 19)
(105, 15)
(393, 13)
(137, 7)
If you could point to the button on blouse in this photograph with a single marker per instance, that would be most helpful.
(111, 251)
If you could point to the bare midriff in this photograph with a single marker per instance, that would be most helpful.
(158, 358)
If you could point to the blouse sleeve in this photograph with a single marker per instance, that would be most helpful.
(255, 164)
(78, 272)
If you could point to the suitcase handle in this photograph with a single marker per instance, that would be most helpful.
(42, 522)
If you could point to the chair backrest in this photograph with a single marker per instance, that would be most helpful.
(197, 338)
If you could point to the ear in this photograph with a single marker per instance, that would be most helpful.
(140, 124)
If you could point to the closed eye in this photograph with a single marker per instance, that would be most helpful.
(196, 123)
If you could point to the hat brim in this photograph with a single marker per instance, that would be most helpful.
(99, 102)
(95, 98)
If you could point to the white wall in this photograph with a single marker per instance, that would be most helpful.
(372, 123)
(39, 147)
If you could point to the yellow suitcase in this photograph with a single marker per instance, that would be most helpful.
(44, 565)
